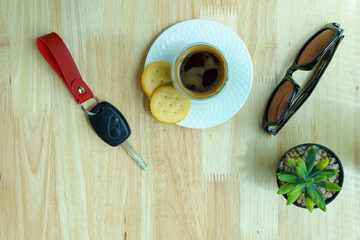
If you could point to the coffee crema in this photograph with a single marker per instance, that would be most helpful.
(200, 72)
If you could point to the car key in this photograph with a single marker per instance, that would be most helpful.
(109, 124)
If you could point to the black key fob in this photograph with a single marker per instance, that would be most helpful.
(109, 124)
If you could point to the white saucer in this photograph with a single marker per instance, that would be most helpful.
(240, 71)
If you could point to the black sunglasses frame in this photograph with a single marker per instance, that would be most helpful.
(321, 62)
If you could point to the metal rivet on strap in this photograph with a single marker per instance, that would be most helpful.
(81, 90)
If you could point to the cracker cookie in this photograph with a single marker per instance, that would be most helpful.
(168, 105)
(155, 75)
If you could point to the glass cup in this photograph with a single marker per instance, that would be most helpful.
(199, 71)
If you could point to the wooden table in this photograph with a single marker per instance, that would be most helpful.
(58, 180)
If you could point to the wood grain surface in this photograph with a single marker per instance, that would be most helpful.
(58, 180)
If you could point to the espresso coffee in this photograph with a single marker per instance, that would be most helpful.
(199, 72)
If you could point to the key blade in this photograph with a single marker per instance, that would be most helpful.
(139, 161)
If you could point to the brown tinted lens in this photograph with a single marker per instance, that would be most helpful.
(314, 48)
(280, 101)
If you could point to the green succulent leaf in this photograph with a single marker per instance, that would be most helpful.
(329, 186)
(286, 173)
(288, 178)
(310, 158)
(300, 163)
(310, 180)
(286, 188)
(298, 187)
(320, 178)
(316, 196)
(308, 201)
(292, 164)
(336, 171)
(292, 198)
(326, 174)
(318, 167)
(301, 172)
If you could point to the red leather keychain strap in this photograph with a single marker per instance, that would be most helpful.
(58, 56)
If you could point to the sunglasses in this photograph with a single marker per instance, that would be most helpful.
(287, 97)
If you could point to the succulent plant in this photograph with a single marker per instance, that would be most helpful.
(304, 177)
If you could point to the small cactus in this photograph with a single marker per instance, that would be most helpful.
(304, 177)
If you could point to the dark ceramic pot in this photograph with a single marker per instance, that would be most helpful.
(341, 173)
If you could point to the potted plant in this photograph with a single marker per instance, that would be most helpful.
(316, 180)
